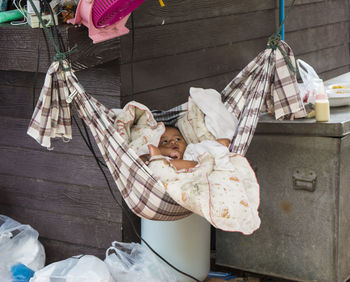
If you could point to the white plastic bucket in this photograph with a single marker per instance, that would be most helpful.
(185, 243)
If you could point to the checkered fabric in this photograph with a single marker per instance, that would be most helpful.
(265, 83)
(51, 117)
(142, 192)
(171, 116)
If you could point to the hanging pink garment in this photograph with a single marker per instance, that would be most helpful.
(84, 16)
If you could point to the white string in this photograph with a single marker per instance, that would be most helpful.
(21, 9)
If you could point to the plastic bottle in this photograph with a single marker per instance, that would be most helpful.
(321, 103)
(11, 15)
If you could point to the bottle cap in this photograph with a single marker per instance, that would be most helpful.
(321, 96)
(320, 91)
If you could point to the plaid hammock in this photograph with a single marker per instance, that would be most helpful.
(266, 83)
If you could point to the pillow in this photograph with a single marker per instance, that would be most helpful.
(192, 125)
(137, 126)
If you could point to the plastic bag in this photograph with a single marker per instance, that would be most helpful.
(5, 273)
(19, 244)
(310, 84)
(82, 268)
(132, 262)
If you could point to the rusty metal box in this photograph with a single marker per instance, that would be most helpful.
(303, 168)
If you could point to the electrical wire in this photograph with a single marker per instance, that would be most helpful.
(88, 143)
(87, 140)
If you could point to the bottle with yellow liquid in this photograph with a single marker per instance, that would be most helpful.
(321, 103)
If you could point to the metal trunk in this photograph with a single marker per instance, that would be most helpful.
(303, 169)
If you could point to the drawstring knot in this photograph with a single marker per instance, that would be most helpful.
(61, 56)
(273, 43)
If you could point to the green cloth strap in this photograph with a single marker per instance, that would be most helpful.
(59, 56)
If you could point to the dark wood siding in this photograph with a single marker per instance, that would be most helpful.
(61, 193)
(200, 43)
(205, 43)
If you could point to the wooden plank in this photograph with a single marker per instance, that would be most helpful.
(57, 250)
(66, 228)
(90, 54)
(171, 96)
(325, 60)
(18, 101)
(100, 80)
(323, 13)
(151, 42)
(131, 226)
(62, 199)
(23, 54)
(335, 72)
(172, 70)
(51, 166)
(166, 39)
(150, 13)
(175, 39)
(14, 134)
(287, 3)
(317, 38)
(21, 78)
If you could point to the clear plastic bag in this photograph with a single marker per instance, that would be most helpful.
(83, 268)
(19, 244)
(310, 84)
(132, 262)
(5, 273)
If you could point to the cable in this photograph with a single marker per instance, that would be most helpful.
(132, 56)
(89, 145)
(61, 48)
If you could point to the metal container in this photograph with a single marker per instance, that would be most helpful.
(303, 168)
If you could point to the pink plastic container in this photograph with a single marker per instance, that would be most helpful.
(84, 16)
(107, 12)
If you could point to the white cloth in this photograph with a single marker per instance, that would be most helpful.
(220, 152)
(219, 121)
(222, 187)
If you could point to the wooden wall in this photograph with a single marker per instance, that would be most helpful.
(204, 43)
(201, 43)
(61, 193)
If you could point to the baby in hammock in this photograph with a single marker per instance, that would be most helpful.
(208, 180)
(173, 145)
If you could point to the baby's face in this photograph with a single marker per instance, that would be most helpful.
(172, 144)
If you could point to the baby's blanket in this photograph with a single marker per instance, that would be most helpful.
(222, 188)
(136, 124)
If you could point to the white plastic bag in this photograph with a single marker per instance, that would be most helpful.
(19, 244)
(310, 84)
(132, 262)
(5, 273)
(83, 268)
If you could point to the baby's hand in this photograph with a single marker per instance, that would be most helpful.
(144, 158)
(153, 150)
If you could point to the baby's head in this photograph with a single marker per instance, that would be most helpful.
(172, 144)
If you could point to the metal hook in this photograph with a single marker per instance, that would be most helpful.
(71, 96)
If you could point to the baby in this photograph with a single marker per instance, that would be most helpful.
(209, 180)
(173, 145)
